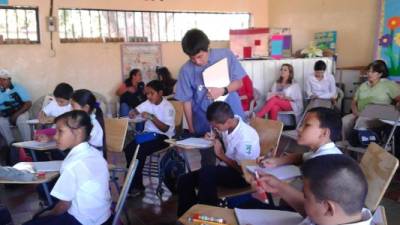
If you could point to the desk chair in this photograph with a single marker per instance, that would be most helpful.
(378, 112)
(269, 132)
(115, 132)
(379, 167)
(152, 167)
(379, 216)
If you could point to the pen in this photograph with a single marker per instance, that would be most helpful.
(263, 195)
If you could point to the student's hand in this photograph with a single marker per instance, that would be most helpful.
(260, 159)
(214, 93)
(267, 183)
(218, 150)
(131, 89)
(147, 116)
(42, 138)
(132, 114)
(270, 162)
(210, 136)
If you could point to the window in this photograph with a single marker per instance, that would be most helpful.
(19, 25)
(81, 25)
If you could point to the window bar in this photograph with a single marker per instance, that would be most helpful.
(7, 33)
(151, 26)
(100, 30)
(16, 23)
(108, 24)
(117, 20)
(90, 23)
(80, 20)
(26, 25)
(141, 13)
(126, 28)
(134, 25)
(65, 23)
(158, 24)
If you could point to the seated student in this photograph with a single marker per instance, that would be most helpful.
(83, 186)
(320, 87)
(335, 189)
(165, 76)
(160, 119)
(246, 93)
(62, 94)
(131, 92)
(83, 99)
(321, 126)
(241, 142)
(14, 105)
(285, 95)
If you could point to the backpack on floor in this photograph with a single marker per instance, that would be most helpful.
(172, 165)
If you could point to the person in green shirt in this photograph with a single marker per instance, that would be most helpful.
(376, 90)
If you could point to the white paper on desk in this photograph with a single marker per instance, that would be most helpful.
(217, 75)
(195, 142)
(270, 217)
(281, 172)
(37, 144)
(46, 166)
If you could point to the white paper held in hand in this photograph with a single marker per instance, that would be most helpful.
(195, 142)
(281, 172)
(217, 75)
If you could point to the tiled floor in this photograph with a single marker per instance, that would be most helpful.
(22, 201)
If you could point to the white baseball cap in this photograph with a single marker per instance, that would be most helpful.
(4, 74)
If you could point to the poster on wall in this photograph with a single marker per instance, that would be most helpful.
(326, 40)
(143, 56)
(3, 2)
(388, 38)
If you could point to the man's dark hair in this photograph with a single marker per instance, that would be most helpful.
(195, 41)
(63, 90)
(329, 118)
(319, 65)
(337, 178)
(219, 112)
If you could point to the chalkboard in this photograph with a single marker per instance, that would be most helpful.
(144, 56)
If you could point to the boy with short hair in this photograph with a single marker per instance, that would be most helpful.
(321, 126)
(241, 142)
(62, 94)
(335, 189)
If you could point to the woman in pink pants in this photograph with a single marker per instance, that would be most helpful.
(285, 95)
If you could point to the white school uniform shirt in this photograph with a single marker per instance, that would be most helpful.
(164, 111)
(326, 149)
(96, 135)
(242, 143)
(84, 181)
(366, 219)
(53, 109)
(294, 92)
(324, 89)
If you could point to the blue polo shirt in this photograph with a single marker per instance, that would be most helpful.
(9, 95)
(190, 87)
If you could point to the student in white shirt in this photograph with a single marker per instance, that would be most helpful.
(62, 94)
(241, 142)
(160, 120)
(83, 186)
(85, 100)
(321, 126)
(321, 86)
(335, 189)
(285, 95)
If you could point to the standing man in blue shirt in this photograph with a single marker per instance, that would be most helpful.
(14, 105)
(190, 87)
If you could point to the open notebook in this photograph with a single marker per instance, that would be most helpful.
(281, 172)
(270, 217)
(217, 75)
(34, 167)
(195, 142)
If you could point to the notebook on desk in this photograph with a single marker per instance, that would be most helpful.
(270, 217)
(195, 142)
(281, 172)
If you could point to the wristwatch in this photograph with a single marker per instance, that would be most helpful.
(225, 91)
(151, 117)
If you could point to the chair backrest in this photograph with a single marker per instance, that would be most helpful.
(125, 187)
(269, 132)
(379, 167)
(381, 111)
(102, 101)
(379, 216)
(115, 132)
(37, 105)
(339, 98)
(178, 113)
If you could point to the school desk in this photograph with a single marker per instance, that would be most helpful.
(42, 180)
(36, 146)
(227, 214)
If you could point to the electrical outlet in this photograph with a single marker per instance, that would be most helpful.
(51, 24)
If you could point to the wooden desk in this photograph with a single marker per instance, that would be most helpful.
(36, 146)
(227, 214)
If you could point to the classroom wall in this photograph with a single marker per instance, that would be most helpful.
(354, 20)
(97, 66)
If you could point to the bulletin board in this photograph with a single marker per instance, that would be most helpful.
(326, 40)
(388, 36)
(144, 56)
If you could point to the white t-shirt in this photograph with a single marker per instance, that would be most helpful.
(326, 149)
(366, 219)
(242, 143)
(324, 89)
(84, 181)
(53, 109)
(164, 111)
(96, 135)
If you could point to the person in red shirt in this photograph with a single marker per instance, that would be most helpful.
(246, 93)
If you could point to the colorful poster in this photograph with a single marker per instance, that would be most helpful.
(326, 40)
(388, 38)
(3, 2)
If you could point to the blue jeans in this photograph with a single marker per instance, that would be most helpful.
(124, 109)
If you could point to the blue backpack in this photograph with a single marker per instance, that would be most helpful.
(172, 166)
